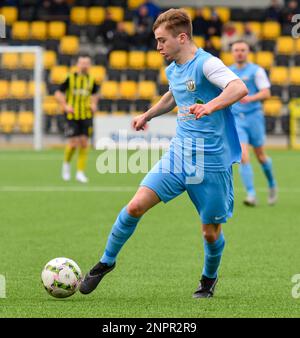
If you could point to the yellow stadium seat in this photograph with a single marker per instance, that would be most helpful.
(79, 15)
(95, 15)
(109, 90)
(239, 26)
(279, 75)
(56, 30)
(227, 58)
(21, 30)
(297, 46)
(199, 41)
(118, 59)
(128, 90)
(223, 13)
(206, 11)
(264, 59)
(272, 106)
(285, 45)
(133, 4)
(146, 90)
(27, 60)
(256, 27)
(10, 60)
(216, 41)
(49, 59)
(7, 121)
(190, 11)
(271, 30)
(18, 89)
(117, 13)
(136, 59)
(50, 105)
(162, 76)
(31, 88)
(4, 89)
(25, 121)
(154, 60)
(39, 30)
(294, 75)
(69, 45)
(58, 74)
(129, 27)
(251, 57)
(10, 14)
(99, 73)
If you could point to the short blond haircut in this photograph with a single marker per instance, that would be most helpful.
(176, 21)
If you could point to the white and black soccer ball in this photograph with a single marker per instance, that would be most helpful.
(61, 277)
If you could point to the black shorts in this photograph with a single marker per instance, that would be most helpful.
(78, 127)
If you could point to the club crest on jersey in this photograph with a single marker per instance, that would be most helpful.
(190, 85)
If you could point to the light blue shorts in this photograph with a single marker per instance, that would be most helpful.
(251, 128)
(213, 197)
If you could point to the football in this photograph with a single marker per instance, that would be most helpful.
(61, 277)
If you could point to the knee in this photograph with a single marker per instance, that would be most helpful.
(210, 236)
(261, 158)
(135, 208)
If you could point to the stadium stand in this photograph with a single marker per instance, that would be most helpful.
(128, 79)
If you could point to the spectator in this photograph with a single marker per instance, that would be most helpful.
(153, 10)
(210, 48)
(290, 11)
(249, 36)
(229, 35)
(54, 10)
(200, 24)
(121, 39)
(274, 12)
(143, 29)
(108, 27)
(214, 25)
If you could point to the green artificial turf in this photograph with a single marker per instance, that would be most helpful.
(158, 269)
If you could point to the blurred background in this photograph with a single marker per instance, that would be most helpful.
(118, 36)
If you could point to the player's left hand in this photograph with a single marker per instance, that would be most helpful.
(246, 99)
(199, 110)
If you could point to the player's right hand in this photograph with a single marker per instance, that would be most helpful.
(139, 122)
(69, 109)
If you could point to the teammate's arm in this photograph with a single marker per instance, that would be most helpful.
(221, 76)
(163, 106)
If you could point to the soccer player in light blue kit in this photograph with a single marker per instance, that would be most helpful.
(203, 89)
(250, 121)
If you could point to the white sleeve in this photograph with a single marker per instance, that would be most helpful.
(261, 79)
(217, 73)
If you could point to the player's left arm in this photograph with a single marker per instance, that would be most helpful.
(221, 76)
(263, 84)
(94, 98)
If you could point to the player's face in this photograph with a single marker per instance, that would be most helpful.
(240, 52)
(84, 64)
(167, 45)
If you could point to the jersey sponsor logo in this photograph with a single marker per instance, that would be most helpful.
(190, 85)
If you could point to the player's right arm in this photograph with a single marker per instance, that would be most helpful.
(163, 106)
(61, 97)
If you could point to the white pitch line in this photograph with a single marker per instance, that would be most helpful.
(106, 189)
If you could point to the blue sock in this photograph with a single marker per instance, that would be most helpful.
(120, 233)
(247, 177)
(267, 168)
(212, 256)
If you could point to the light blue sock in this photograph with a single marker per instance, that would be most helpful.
(212, 256)
(120, 233)
(246, 173)
(267, 168)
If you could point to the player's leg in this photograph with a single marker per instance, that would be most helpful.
(266, 165)
(82, 159)
(246, 173)
(213, 211)
(123, 228)
(71, 146)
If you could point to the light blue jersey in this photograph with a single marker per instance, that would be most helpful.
(188, 86)
(247, 74)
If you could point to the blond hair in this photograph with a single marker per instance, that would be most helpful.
(176, 21)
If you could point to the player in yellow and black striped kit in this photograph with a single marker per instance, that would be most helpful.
(78, 98)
